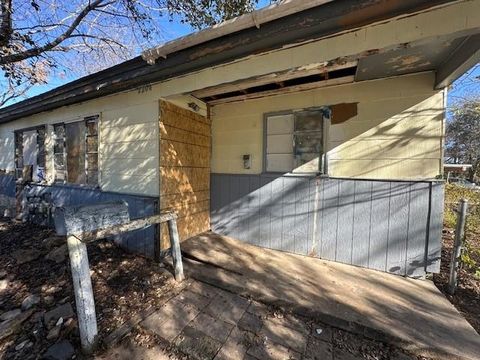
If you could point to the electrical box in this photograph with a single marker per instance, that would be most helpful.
(247, 161)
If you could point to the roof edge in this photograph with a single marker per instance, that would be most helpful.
(253, 19)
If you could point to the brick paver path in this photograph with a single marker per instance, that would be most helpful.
(205, 322)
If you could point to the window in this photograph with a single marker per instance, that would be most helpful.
(76, 152)
(30, 151)
(294, 141)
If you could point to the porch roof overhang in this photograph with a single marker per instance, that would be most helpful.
(313, 23)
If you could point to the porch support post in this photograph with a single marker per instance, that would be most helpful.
(84, 300)
(176, 252)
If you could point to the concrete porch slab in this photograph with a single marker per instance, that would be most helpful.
(409, 313)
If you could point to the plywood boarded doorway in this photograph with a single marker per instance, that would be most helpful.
(185, 148)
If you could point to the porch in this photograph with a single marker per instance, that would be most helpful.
(412, 314)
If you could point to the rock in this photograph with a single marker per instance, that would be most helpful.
(21, 345)
(30, 301)
(63, 311)
(10, 314)
(62, 350)
(3, 285)
(70, 325)
(54, 332)
(58, 254)
(24, 256)
(12, 326)
(54, 241)
(49, 299)
(3, 274)
(50, 289)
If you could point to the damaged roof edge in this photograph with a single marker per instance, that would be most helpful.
(313, 23)
(253, 19)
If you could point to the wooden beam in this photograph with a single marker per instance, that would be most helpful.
(82, 283)
(321, 21)
(84, 300)
(119, 229)
(298, 72)
(460, 61)
(286, 90)
(175, 247)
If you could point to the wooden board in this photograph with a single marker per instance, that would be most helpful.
(185, 148)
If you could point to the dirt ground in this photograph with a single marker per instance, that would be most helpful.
(467, 295)
(34, 263)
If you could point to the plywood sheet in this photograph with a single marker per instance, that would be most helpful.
(185, 147)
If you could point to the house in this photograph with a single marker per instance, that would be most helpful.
(314, 127)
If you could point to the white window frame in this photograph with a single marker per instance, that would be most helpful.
(323, 156)
(64, 139)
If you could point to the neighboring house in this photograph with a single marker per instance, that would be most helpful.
(314, 127)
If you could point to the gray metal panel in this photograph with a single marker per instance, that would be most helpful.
(418, 217)
(254, 211)
(264, 212)
(398, 228)
(276, 214)
(381, 225)
(361, 222)
(434, 251)
(330, 219)
(344, 248)
(288, 219)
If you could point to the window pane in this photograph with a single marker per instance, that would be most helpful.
(279, 144)
(92, 127)
(59, 147)
(59, 162)
(308, 143)
(59, 131)
(41, 147)
(92, 144)
(60, 175)
(307, 162)
(280, 124)
(76, 145)
(92, 178)
(280, 162)
(308, 120)
(92, 162)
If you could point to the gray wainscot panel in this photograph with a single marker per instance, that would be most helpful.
(391, 226)
(139, 241)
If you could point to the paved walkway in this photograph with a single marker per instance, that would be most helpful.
(205, 322)
(407, 312)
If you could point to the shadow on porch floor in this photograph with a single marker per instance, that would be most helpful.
(409, 313)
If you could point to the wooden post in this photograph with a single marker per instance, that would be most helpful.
(458, 245)
(176, 252)
(82, 284)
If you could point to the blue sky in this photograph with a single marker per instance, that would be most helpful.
(467, 85)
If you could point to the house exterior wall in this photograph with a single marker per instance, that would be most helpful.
(128, 140)
(397, 133)
(391, 226)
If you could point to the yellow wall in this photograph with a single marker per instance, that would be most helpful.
(396, 134)
(128, 146)
(132, 116)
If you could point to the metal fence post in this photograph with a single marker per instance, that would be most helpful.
(458, 245)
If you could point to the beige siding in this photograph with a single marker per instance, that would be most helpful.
(128, 146)
(130, 111)
(396, 134)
